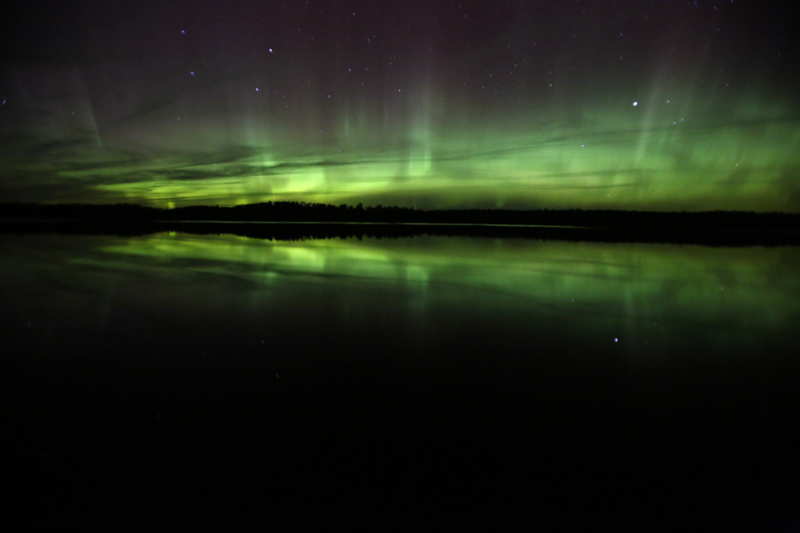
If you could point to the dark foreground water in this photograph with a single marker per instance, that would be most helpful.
(418, 383)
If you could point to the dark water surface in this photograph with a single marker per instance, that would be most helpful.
(415, 383)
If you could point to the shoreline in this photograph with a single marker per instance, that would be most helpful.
(304, 230)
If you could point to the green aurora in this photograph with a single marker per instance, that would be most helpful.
(657, 107)
(656, 155)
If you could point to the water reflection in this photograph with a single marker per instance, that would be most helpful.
(642, 297)
(730, 293)
(518, 377)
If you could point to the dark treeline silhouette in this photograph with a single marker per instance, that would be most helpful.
(289, 231)
(307, 212)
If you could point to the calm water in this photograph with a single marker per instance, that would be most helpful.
(413, 382)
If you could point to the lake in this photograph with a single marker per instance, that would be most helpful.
(418, 383)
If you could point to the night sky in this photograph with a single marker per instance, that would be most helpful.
(634, 104)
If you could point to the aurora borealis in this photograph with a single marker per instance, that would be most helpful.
(589, 104)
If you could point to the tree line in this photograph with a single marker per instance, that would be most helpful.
(322, 213)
